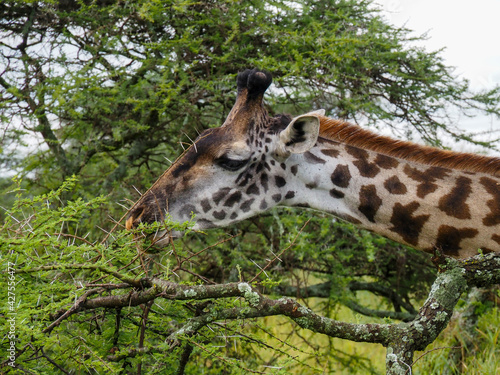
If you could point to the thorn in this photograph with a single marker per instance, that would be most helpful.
(129, 201)
(105, 231)
(114, 221)
(194, 144)
(122, 205)
(137, 190)
(170, 161)
(277, 257)
(260, 268)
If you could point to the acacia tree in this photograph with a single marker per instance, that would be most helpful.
(110, 89)
(79, 304)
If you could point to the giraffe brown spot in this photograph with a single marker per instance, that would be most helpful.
(341, 176)
(253, 189)
(280, 181)
(205, 205)
(264, 181)
(330, 152)
(394, 186)
(259, 168)
(369, 202)
(493, 188)
(366, 169)
(245, 207)
(386, 162)
(312, 185)
(407, 225)
(233, 216)
(454, 203)
(337, 194)
(358, 153)
(449, 238)
(290, 194)
(437, 173)
(426, 178)
(219, 215)
(233, 199)
(496, 238)
(425, 188)
(221, 194)
(263, 205)
(276, 197)
(244, 177)
(313, 159)
(294, 169)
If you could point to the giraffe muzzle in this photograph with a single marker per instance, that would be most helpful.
(134, 218)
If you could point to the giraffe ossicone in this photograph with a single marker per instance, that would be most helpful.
(420, 196)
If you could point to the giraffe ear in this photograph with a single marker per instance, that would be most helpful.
(300, 135)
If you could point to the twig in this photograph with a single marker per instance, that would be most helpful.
(281, 253)
(203, 250)
(186, 353)
(225, 360)
(432, 350)
(74, 309)
(74, 236)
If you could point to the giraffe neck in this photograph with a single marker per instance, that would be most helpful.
(423, 206)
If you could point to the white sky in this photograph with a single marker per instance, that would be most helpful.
(469, 31)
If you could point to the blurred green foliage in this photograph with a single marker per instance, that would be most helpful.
(107, 90)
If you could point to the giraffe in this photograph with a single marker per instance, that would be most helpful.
(420, 196)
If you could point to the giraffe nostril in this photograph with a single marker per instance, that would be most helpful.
(134, 218)
(129, 224)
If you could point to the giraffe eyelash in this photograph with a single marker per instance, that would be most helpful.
(231, 164)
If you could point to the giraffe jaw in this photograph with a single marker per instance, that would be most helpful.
(163, 238)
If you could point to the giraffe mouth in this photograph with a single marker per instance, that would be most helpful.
(161, 238)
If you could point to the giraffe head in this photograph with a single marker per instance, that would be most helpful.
(232, 172)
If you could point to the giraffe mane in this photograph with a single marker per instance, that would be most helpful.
(354, 135)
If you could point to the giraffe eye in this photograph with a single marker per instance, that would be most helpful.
(230, 164)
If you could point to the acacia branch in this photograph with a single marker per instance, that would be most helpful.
(108, 270)
(455, 278)
(322, 290)
(401, 339)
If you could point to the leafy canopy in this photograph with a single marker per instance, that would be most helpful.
(109, 89)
